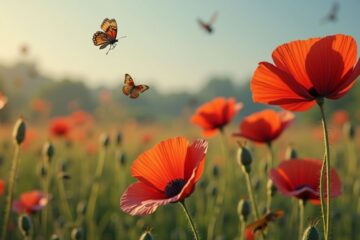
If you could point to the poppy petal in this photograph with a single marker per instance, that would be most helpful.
(141, 199)
(195, 156)
(271, 85)
(329, 60)
(162, 163)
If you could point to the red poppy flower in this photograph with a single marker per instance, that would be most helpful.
(265, 126)
(2, 187)
(300, 178)
(60, 126)
(41, 106)
(214, 115)
(306, 70)
(167, 173)
(30, 202)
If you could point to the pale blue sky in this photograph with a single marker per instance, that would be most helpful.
(164, 45)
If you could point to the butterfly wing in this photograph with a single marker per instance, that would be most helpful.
(100, 39)
(213, 18)
(128, 85)
(109, 26)
(137, 90)
(257, 225)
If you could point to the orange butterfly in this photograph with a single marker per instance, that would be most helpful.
(261, 224)
(108, 36)
(207, 26)
(132, 90)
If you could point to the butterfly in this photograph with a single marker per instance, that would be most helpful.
(107, 36)
(132, 90)
(262, 223)
(207, 26)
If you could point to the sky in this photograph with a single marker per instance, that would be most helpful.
(164, 46)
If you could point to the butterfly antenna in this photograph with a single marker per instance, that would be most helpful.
(122, 37)
(108, 50)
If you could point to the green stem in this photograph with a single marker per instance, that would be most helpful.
(95, 191)
(46, 181)
(301, 218)
(9, 200)
(322, 200)
(242, 229)
(64, 202)
(327, 163)
(192, 225)
(270, 166)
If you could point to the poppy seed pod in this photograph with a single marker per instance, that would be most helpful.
(311, 233)
(76, 234)
(215, 171)
(290, 153)
(48, 150)
(271, 189)
(243, 209)
(146, 236)
(19, 131)
(104, 140)
(349, 130)
(118, 138)
(24, 224)
(244, 157)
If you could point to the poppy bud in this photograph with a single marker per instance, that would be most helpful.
(19, 131)
(118, 138)
(212, 190)
(349, 130)
(290, 153)
(42, 171)
(48, 150)
(122, 159)
(146, 236)
(76, 234)
(64, 175)
(24, 224)
(311, 233)
(104, 140)
(271, 189)
(244, 156)
(243, 209)
(215, 171)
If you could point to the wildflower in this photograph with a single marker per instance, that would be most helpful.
(167, 173)
(265, 126)
(307, 70)
(60, 127)
(30, 202)
(300, 179)
(2, 187)
(215, 115)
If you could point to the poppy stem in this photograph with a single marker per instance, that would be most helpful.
(301, 218)
(9, 200)
(327, 166)
(270, 166)
(192, 224)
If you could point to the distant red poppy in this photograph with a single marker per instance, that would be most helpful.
(306, 70)
(340, 117)
(2, 187)
(334, 134)
(167, 173)
(265, 126)
(60, 126)
(299, 178)
(30, 138)
(30, 202)
(215, 115)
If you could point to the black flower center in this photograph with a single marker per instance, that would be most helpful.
(313, 92)
(305, 194)
(174, 187)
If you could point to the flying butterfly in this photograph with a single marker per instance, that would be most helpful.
(332, 16)
(132, 90)
(261, 224)
(107, 36)
(208, 26)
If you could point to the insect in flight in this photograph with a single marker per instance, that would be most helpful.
(332, 16)
(261, 224)
(208, 26)
(132, 90)
(107, 36)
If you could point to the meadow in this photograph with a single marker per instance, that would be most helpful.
(71, 177)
